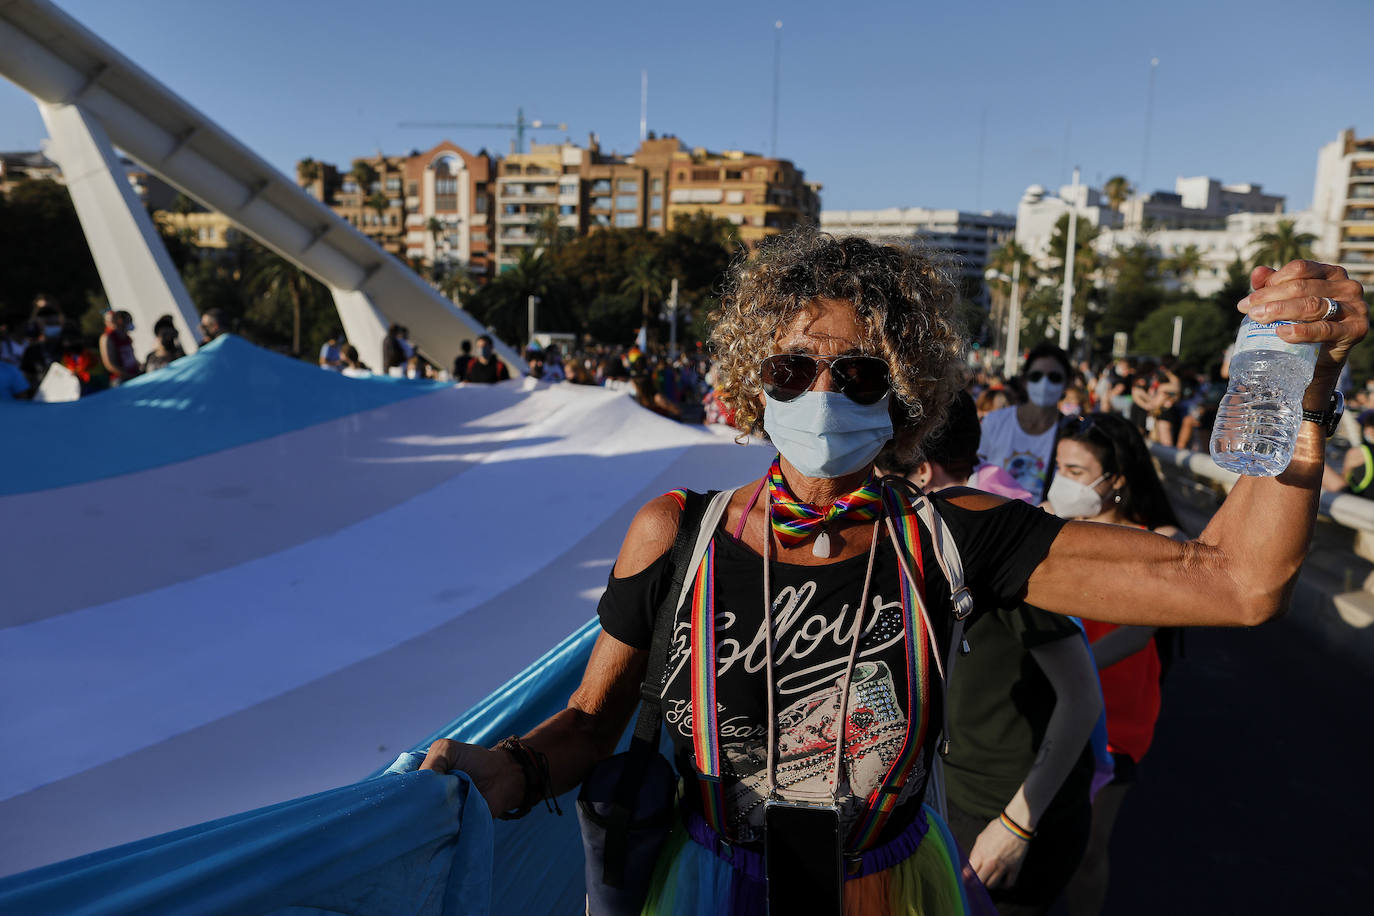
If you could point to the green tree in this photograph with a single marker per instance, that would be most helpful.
(364, 175)
(1236, 288)
(276, 287)
(1205, 337)
(1133, 290)
(1117, 190)
(502, 304)
(377, 201)
(644, 277)
(308, 171)
(1283, 244)
(1184, 264)
(549, 235)
(1003, 262)
(43, 250)
(1086, 264)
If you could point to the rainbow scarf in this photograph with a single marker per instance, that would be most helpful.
(704, 665)
(794, 521)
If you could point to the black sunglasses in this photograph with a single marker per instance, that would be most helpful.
(1055, 376)
(863, 379)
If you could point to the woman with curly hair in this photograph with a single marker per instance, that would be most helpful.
(801, 683)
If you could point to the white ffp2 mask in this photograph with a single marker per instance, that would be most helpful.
(1071, 499)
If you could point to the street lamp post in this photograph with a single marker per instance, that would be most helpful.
(1013, 345)
(1070, 252)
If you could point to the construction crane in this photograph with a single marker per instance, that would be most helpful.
(520, 126)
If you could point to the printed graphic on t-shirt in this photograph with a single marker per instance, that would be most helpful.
(1028, 469)
(810, 656)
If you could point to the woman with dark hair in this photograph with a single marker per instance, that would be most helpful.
(1105, 475)
(1021, 439)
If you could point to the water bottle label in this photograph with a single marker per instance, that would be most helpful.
(1256, 336)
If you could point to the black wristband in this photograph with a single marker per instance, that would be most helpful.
(534, 766)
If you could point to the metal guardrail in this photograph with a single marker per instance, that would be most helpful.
(1343, 509)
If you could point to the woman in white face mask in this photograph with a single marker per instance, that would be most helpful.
(1020, 439)
(1104, 474)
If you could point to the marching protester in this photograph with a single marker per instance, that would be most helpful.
(116, 349)
(1021, 439)
(1105, 475)
(1020, 713)
(834, 347)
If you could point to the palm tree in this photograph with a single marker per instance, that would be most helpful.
(456, 283)
(1283, 244)
(549, 235)
(1117, 190)
(274, 280)
(364, 175)
(1184, 264)
(377, 201)
(308, 171)
(645, 277)
(1003, 262)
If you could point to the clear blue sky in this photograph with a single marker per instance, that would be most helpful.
(881, 102)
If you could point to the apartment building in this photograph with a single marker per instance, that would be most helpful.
(447, 204)
(1196, 203)
(427, 207)
(1343, 201)
(448, 208)
(965, 241)
(762, 196)
(534, 192)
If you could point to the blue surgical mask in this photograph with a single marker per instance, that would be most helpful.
(824, 434)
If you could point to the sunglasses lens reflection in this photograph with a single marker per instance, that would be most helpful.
(787, 376)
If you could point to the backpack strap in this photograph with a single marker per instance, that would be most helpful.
(961, 601)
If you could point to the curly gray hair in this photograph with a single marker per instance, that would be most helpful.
(904, 301)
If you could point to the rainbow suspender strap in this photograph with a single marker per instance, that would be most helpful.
(705, 725)
(884, 798)
(705, 719)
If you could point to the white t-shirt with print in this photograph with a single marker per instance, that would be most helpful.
(1025, 457)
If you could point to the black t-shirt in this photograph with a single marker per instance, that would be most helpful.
(814, 615)
(1000, 704)
(493, 370)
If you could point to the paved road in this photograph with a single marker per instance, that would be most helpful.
(1256, 796)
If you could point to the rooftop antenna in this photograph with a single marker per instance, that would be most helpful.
(777, 77)
(1149, 117)
(643, 105)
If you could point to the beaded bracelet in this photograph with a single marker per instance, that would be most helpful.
(534, 766)
(1014, 828)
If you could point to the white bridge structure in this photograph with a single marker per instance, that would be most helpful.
(93, 99)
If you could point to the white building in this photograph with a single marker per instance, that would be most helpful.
(1343, 201)
(1217, 247)
(966, 239)
(1221, 220)
(1038, 212)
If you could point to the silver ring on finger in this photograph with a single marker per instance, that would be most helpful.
(1332, 307)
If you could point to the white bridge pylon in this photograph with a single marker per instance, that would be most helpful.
(93, 99)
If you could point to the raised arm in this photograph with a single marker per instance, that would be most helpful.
(587, 731)
(1240, 571)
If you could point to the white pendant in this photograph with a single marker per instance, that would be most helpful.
(822, 546)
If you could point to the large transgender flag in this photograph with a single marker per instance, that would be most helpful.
(243, 580)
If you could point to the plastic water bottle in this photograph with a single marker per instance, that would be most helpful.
(1257, 422)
